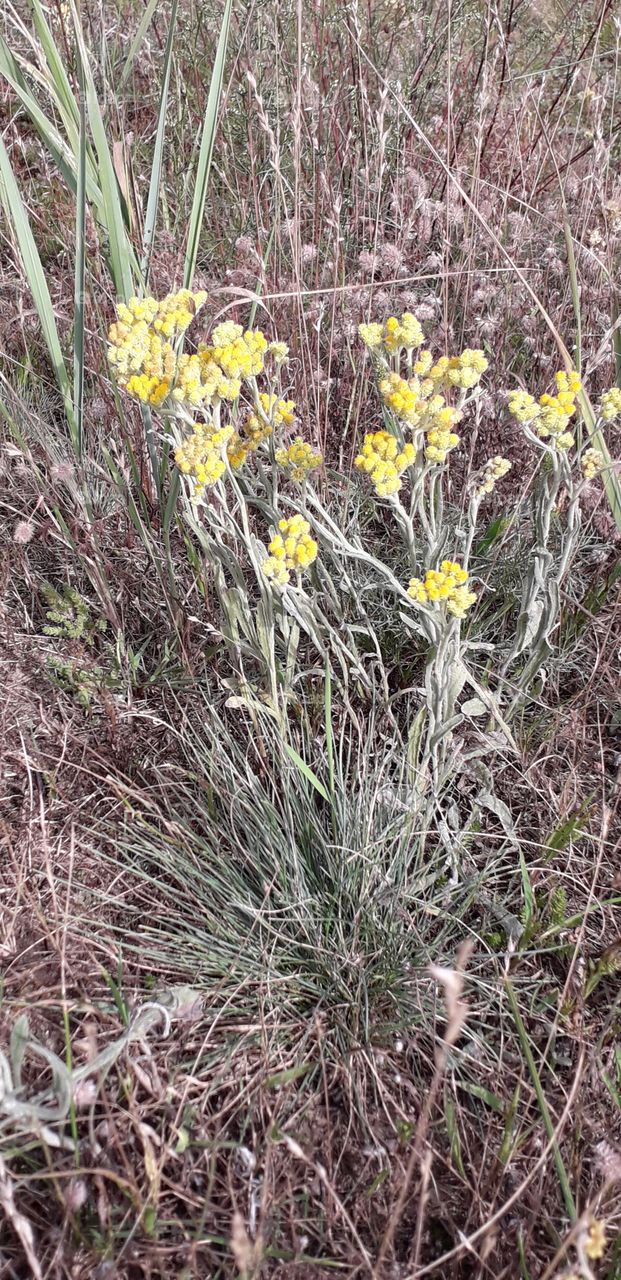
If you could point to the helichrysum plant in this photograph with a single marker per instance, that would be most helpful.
(251, 499)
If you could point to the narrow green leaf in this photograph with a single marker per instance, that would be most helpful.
(137, 40)
(79, 281)
(54, 60)
(527, 890)
(19, 220)
(543, 1105)
(206, 150)
(306, 771)
(158, 152)
(609, 476)
(328, 726)
(62, 154)
(122, 257)
(285, 1077)
(575, 288)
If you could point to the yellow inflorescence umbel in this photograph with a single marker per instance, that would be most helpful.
(412, 401)
(402, 396)
(395, 335)
(269, 412)
(384, 461)
(279, 351)
(610, 404)
(201, 456)
(141, 350)
(239, 354)
(446, 587)
(495, 468)
(549, 416)
(291, 550)
(298, 459)
(463, 371)
(591, 463)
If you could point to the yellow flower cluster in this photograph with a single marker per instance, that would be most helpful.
(395, 335)
(238, 354)
(402, 396)
(141, 341)
(463, 371)
(595, 1242)
(292, 549)
(298, 459)
(258, 426)
(441, 439)
(280, 352)
(446, 586)
(610, 404)
(384, 462)
(591, 463)
(201, 456)
(495, 468)
(552, 413)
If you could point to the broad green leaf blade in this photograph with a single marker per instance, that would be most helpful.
(158, 152)
(206, 150)
(19, 220)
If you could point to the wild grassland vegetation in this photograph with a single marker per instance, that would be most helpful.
(309, 391)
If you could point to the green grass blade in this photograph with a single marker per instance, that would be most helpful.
(328, 724)
(19, 220)
(306, 771)
(616, 338)
(206, 150)
(158, 152)
(596, 439)
(123, 263)
(137, 40)
(66, 99)
(543, 1105)
(79, 282)
(61, 152)
(575, 288)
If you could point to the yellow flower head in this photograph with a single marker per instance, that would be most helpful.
(402, 397)
(445, 587)
(281, 413)
(141, 350)
(384, 461)
(591, 463)
(279, 351)
(372, 335)
(495, 468)
(395, 335)
(463, 371)
(595, 1242)
(239, 355)
(201, 456)
(237, 451)
(405, 333)
(291, 550)
(298, 460)
(439, 444)
(610, 404)
(552, 414)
